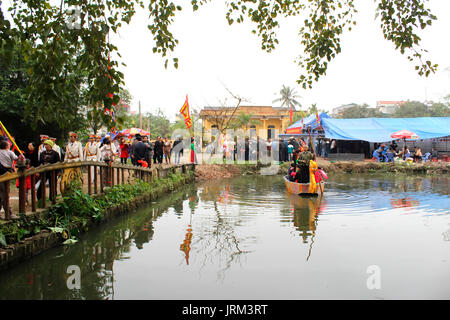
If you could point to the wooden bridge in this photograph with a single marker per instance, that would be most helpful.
(95, 177)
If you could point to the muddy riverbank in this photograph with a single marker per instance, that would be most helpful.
(205, 172)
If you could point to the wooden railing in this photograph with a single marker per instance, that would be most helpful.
(95, 172)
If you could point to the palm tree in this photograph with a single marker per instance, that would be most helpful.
(288, 97)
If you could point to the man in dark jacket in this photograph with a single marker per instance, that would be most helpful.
(149, 145)
(139, 150)
(158, 150)
(49, 156)
(178, 149)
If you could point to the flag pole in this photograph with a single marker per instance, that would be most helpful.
(10, 138)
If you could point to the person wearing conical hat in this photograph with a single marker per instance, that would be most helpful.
(55, 146)
(91, 150)
(74, 149)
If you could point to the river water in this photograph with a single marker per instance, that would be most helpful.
(368, 237)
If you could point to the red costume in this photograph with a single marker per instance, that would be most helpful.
(123, 150)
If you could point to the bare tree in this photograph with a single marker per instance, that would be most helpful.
(222, 116)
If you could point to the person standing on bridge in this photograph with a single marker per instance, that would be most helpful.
(55, 146)
(41, 147)
(107, 153)
(167, 148)
(49, 156)
(193, 155)
(123, 151)
(140, 151)
(92, 153)
(158, 151)
(74, 149)
(7, 157)
(92, 150)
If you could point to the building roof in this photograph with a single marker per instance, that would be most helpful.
(391, 102)
(255, 110)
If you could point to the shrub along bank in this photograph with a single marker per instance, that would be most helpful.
(77, 211)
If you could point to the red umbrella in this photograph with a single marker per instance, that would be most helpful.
(132, 131)
(404, 134)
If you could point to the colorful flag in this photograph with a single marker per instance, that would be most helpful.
(8, 137)
(290, 114)
(185, 112)
(317, 118)
(302, 118)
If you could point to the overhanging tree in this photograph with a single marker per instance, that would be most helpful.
(56, 40)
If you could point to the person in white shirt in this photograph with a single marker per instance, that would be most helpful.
(108, 152)
(92, 152)
(74, 150)
(92, 149)
(41, 147)
(7, 158)
(55, 146)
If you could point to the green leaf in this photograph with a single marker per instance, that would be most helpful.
(57, 229)
(3, 240)
(70, 241)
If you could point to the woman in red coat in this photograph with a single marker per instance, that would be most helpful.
(123, 151)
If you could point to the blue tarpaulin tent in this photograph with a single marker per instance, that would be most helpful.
(380, 129)
(308, 121)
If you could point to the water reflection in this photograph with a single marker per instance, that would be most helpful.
(407, 202)
(400, 183)
(211, 235)
(45, 276)
(305, 211)
(186, 245)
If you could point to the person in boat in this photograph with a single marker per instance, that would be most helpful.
(303, 164)
(299, 175)
(292, 171)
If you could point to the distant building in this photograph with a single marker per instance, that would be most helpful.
(338, 111)
(124, 106)
(272, 120)
(389, 107)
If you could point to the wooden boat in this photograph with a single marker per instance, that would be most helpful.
(302, 189)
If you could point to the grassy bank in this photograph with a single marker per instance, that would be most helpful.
(76, 210)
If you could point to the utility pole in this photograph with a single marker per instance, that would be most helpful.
(140, 116)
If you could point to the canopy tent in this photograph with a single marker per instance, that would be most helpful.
(380, 129)
(308, 121)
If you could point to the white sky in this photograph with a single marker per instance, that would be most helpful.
(213, 54)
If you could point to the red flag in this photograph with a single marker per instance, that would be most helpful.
(317, 118)
(185, 112)
(302, 117)
(290, 114)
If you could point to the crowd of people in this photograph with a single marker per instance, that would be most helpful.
(139, 149)
(391, 153)
(282, 149)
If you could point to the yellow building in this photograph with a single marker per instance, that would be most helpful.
(271, 120)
